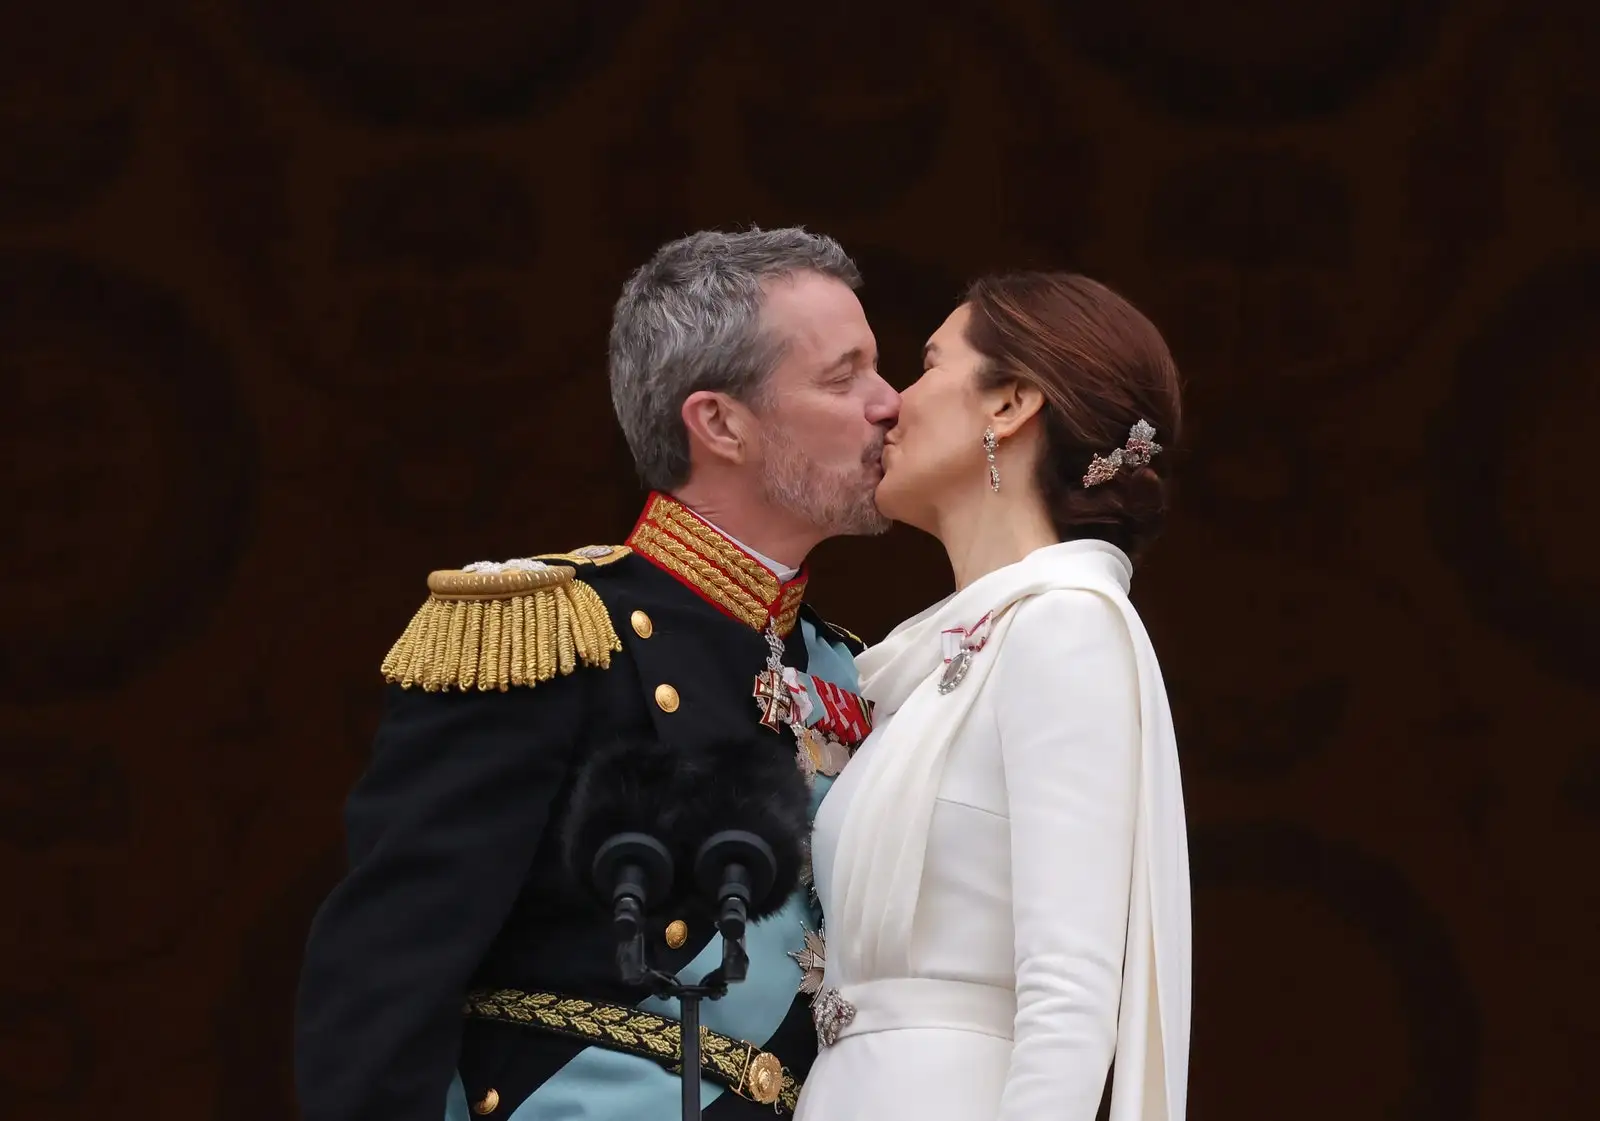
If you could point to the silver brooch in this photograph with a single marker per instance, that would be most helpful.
(831, 1013)
(960, 644)
(955, 671)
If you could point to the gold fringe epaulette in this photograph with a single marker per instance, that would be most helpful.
(492, 626)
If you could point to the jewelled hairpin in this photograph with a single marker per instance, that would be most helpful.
(1140, 449)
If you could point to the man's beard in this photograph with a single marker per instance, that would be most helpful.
(838, 502)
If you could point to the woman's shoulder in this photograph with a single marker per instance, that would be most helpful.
(1076, 606)
(1064, 621)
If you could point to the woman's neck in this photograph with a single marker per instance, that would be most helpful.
(990, 530)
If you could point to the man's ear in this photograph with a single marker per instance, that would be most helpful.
(1012, 405)
(719, 425)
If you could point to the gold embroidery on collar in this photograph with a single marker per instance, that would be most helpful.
(674, 538)
(695, 570)
(757, 579)
(792, 598)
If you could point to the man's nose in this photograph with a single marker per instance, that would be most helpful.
(884, 408)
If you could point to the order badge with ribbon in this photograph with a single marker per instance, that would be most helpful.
(959, 645)
(827, 720)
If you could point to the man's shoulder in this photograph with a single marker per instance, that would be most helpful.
(498, 625)
(834, 632)
(589, 558)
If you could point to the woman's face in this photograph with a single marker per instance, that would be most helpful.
(935, 450)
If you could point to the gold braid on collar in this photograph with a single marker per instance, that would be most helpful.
(684, 545)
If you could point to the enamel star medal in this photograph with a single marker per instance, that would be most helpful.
(812, 959)
(831, 1013)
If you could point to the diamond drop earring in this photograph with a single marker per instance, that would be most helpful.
(989, 445)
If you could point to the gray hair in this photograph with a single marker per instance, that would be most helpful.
(690, 320)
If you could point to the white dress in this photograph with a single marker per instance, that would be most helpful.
(1006, 1005)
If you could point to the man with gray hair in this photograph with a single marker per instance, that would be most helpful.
(744, 375)
(463, 966)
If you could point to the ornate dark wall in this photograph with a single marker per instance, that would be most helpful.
(302, 298)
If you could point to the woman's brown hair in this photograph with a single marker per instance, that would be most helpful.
(1102, 367)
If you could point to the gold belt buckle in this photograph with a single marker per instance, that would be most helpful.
(762, 1079)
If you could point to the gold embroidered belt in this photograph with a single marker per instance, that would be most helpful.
(742, 1067)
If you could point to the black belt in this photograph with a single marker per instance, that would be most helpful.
(742, 1067)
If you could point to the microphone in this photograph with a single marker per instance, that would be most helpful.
(639, 870)
(723, 824)
(613, 841)
(735, 868)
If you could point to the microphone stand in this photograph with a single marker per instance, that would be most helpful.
(713, 986)
(735, 867)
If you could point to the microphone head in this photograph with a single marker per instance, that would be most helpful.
(682, 796)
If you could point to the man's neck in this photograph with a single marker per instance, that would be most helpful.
(753, 524)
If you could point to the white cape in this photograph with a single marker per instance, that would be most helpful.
(879, 869)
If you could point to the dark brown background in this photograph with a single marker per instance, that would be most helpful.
(302, 298)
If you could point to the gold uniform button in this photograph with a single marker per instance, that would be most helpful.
(642, 626)
(667, 698)
(490, 1103)
(677, 933)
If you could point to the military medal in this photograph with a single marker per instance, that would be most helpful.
(772, 693)
(783, 697)
(821, 753)
(773, 698)
(831, 1013)
(812, 960)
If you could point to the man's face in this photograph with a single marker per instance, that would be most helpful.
(824, 409)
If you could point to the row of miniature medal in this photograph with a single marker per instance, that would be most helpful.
(781, 700)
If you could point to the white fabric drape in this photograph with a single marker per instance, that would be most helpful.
(878, 873)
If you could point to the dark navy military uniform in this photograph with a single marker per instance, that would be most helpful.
(454, 883)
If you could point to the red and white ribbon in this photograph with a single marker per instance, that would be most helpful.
(971, 639)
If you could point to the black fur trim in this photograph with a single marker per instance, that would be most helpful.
(681, 796)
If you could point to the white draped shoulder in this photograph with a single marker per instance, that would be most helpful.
(883, 841)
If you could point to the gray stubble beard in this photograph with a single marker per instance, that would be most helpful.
(840, 506)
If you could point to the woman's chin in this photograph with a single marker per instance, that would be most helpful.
(888, 495)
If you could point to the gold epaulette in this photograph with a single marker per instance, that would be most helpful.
(492, 626)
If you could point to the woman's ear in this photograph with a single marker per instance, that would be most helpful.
(1012, 405)
(718, 425)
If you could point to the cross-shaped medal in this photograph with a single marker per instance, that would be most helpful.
(772, 692)
(772, 696)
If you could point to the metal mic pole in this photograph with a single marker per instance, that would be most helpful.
(689, 1026)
